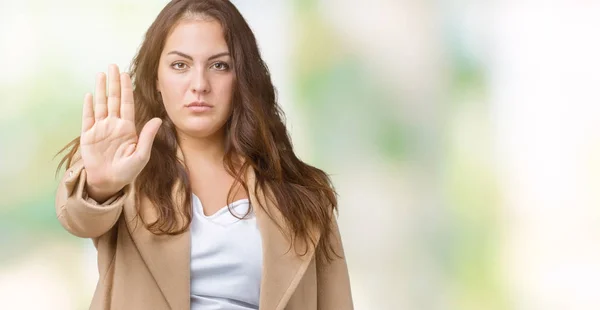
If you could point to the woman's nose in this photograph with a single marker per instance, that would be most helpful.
(200, 83)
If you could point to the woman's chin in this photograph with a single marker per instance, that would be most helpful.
(200, 128)
(200, 131)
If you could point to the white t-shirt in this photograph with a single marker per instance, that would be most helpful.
(226, 258)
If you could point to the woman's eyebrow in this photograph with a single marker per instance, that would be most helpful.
(218, 55)
(191, 58)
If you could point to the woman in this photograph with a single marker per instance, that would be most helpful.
(208, 207)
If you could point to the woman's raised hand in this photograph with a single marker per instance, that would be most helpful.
(112, 153)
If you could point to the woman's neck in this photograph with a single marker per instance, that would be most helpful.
(202, 151)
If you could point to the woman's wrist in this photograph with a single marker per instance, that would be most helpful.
(100, 194)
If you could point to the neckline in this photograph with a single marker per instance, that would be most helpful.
(221, 210)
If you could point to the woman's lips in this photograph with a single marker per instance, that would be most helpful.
(198, 106)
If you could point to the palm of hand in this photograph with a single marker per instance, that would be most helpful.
(112, 153)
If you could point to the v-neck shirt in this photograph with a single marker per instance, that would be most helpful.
(226, 258)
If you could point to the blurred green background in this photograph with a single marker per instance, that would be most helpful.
(463, 138)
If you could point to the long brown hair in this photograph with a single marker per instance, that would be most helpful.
(255, 132)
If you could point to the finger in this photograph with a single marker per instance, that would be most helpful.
(130, 150)
(127, 105)
(87, 120)
(144, 145)
(114, 91)
(100, 97)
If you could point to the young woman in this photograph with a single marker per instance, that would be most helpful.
(192, 193)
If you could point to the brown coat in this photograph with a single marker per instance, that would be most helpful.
(140, 270)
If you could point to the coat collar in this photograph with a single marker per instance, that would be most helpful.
(168, 257)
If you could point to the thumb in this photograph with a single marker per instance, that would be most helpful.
(147, 135)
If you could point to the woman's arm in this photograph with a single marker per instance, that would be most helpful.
(114, 155)
(333, 281)
(81, 215)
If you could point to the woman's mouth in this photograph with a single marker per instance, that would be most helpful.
(199, 106)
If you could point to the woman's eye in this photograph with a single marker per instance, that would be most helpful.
(221, 66)
(178, 65)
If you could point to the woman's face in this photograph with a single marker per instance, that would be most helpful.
(196, 77)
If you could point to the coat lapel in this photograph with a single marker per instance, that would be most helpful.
(282, 267)
(168, 257)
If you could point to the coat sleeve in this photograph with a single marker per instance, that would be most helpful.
(81, 215)
(333, 281)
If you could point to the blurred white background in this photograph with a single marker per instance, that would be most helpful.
(463, 137)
